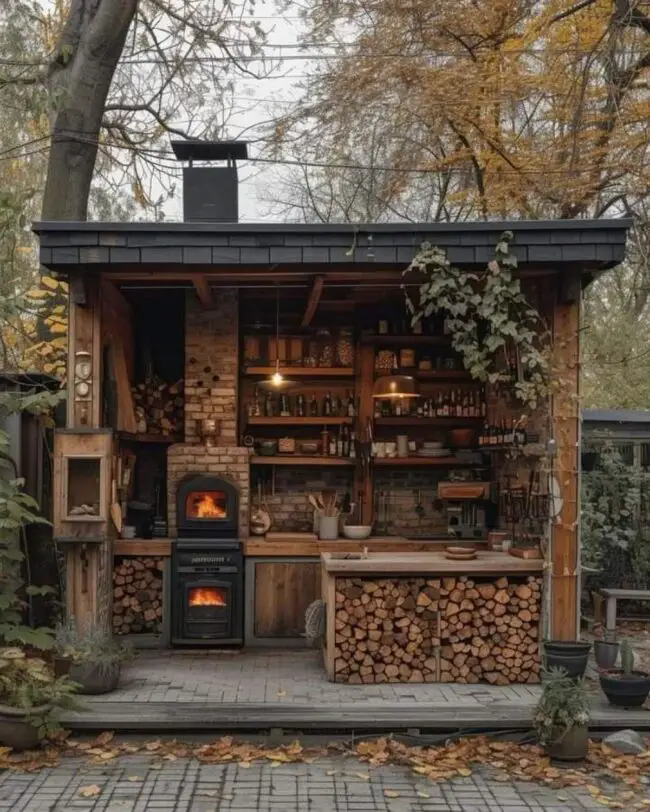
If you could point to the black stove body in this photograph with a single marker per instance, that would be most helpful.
(207, 564)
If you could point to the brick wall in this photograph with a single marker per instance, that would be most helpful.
(211, 364)
(396, 498)
(288, 504)
(211, 370)
(291, 511)
(229, 462)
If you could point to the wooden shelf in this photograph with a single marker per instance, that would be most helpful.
(407, 341)
(302, 372)
(299, 421)
(294, 459)
(431, 374)
(442, 462)
(443, 422)
(146, 547)
(149, 438)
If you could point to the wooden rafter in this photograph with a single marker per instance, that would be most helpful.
(313, 300)
(202, 289)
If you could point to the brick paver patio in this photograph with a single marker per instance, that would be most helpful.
(132, 784)
(250, 690)
(280, 677)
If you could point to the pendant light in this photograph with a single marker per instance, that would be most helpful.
(395, 387)
(277, 382)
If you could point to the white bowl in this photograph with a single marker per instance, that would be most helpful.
(356, 531)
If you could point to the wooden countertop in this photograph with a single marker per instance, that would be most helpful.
(486, 563)
(146, 547)
(375, 544)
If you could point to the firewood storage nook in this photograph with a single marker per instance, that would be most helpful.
(226, 377)
(418, 618)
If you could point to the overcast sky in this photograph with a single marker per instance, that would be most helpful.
(257, 101)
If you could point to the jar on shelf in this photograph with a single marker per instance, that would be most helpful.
(406, 357)
(326, 354)
(313, 353)
(345, 348)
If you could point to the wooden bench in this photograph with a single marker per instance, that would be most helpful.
(613, 595)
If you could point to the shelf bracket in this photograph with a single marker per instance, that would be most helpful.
(203, 291)
(313, 300)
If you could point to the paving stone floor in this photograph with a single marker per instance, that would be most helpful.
(281, 677)
(132, 784)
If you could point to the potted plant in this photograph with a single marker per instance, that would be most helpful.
(30, 695)
(95, 658)
(571, 655)
(562, 716)
(606, 651)
(625, 687)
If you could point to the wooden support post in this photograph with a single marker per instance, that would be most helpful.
(565, 416)
(365, 377)
(203, 290)
(84, 342)
(312, 302)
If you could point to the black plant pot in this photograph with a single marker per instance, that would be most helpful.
(625, 691)
(95, 678)
(571, 655)
(605, 652)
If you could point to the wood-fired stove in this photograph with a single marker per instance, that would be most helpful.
(207, 564)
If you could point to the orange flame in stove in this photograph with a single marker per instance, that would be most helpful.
(205, 505)
(205, 596)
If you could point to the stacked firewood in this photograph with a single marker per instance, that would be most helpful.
(138, 595)
(160, 404)
(451, 629)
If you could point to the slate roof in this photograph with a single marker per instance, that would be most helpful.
(592, 245)
(615, 416)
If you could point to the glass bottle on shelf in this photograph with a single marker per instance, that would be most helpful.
(257, 409)
(327, 405)
(350, 405)
(352, 449)
(313, 406)
(377, 409)
(300, 406)
(269, 406)
(284, 406)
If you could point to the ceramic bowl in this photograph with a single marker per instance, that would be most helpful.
(356, 531)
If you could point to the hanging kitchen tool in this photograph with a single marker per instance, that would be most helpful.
(419, 507)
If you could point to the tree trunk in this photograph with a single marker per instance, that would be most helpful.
(80, 77)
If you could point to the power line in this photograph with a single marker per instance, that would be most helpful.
(167, 155)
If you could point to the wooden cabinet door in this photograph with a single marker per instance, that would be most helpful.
(283, 590)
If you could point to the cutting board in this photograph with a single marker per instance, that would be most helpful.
(291, 537)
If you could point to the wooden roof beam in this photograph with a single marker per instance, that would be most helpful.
(202, 290)
(313, 300)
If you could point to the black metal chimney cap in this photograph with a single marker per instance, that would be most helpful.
(210, 150)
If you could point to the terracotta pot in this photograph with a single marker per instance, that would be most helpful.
(461, 438)
(16, 728)
(572, 746)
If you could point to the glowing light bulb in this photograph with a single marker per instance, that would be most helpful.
(277, 378)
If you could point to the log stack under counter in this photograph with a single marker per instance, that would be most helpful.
(411, 619)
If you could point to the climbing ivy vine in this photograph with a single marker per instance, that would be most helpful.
(501, 338)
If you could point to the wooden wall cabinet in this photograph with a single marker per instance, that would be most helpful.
(278, 591)
(82, 484)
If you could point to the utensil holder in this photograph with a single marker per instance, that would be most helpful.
(328, 528)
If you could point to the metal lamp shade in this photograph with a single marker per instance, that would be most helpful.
(396, 386)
